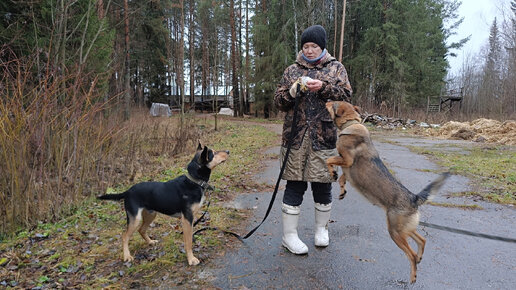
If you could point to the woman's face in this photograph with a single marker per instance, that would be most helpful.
(311, 50)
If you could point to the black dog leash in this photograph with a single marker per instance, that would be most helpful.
(469, 233)
(273, 198)
(289, 145)
(211, 228)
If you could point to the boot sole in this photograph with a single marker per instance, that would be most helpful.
(285, 245)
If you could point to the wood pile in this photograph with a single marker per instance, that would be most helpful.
(388, 123)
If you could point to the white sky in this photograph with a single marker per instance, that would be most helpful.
(478, 18)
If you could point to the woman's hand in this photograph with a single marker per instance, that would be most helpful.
(314, 85)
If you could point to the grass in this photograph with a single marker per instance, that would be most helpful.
(462, 206)
(491, 168)
(83, 249)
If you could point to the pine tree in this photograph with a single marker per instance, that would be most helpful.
(149, 32)
(493, 57)
(490, 91)
(398, 51)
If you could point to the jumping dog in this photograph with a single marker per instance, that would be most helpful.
(182, 196)
(362, 166)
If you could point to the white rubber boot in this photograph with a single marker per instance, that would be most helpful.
(290, 239)
(322, 217)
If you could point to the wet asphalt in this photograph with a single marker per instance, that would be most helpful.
(361, 254)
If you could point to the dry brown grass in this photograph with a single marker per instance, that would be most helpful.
(60, 142)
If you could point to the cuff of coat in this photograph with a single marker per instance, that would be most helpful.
(323, 87)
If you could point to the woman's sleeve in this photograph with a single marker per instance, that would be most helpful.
(282, 98)
(337, 88)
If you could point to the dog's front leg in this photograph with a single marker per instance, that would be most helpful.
(342, 183)
(188, 236)
(344, 163)
(331, 163)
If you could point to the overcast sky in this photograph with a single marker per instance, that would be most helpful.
(478, 18)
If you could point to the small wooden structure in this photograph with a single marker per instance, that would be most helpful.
(447, 99)
(204, 103)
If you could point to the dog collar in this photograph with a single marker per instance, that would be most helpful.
(347, 124)
(199, 182)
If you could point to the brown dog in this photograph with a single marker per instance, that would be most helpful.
(365, 170)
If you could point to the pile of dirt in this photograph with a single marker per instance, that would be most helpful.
(479, 130)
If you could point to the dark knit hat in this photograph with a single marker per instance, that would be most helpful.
(315, 34)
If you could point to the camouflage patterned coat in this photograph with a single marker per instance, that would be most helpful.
(313, 118)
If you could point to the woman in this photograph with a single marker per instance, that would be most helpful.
(315, 135)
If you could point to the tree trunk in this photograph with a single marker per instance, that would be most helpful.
(127, 85)
(100, 9)
(216, 78)
(311, 17)
(180, 58)
(205, 56)
(169, 61)
(236, 95)
(296, 29)
(335, 28)
(247, 61)
(238, 19)
(191, 47)
(62, 47)
(342, 31)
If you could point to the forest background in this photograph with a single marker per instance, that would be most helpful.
(77, 74)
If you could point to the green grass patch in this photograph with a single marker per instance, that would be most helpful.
(493, 169)
(453, 205)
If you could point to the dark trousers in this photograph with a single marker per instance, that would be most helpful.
(295, 190)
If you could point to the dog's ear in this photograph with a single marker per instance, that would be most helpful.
(358, 109)
(199, 146)
(339, 108)
(204, 155)
(329, 107)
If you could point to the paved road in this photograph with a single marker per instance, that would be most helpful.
(361, 254)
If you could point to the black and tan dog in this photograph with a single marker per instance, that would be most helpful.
(182, 196)
(365, 170)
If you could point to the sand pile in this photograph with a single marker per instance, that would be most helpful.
(480, 130)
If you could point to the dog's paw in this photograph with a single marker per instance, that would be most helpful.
(413, 279)
(128, 258)
(334, 174)
(418, 260)
(343, 194)
(193, 261)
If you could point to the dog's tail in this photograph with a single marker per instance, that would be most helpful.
(117, 196)
(431, 189)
